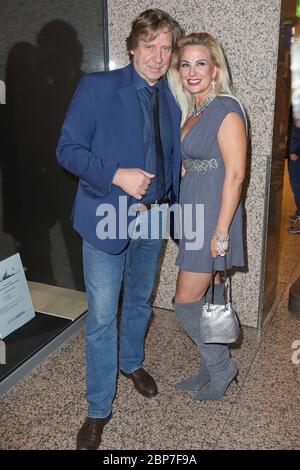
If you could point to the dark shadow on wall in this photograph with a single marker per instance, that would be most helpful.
(37, 193)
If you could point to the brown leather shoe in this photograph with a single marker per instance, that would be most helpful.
(89, 436)
(143, 382)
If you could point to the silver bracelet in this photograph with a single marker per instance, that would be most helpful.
(222, 243)
(218, 238)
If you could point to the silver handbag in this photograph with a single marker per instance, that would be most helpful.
(219, 323)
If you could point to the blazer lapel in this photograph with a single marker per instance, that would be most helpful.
(175, 114)
(130, 108)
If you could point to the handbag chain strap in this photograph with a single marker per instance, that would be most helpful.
(226, 283)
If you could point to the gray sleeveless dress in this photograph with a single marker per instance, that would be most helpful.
(205, 187)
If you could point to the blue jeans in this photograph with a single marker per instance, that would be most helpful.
(294, 173)
(103, 273)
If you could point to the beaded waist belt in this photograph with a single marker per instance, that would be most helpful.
(201, 166)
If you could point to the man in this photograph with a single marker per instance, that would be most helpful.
(111, 139)
(293, 155)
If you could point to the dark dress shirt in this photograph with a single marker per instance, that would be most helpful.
(166, 134)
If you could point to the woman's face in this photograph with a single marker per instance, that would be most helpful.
(197, 71)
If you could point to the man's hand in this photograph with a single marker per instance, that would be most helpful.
(133, 181)
(293, 157)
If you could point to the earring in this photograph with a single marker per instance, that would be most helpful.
(213, 84)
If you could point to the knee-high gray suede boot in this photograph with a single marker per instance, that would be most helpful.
(221, 368)
(216, 363)
(188, 314)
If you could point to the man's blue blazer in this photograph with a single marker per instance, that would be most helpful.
(101, 132)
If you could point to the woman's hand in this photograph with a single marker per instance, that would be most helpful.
(219, 244)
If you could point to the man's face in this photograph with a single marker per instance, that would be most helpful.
(151, 59)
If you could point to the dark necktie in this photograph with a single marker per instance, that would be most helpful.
(160, 170)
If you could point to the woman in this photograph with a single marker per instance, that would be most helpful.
(214, 146)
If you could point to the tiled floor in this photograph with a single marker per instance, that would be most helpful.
(45, 409)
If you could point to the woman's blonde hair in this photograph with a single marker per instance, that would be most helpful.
(222, 80)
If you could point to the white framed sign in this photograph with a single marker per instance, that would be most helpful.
(2, 92)
(295, 72)
(16, 307)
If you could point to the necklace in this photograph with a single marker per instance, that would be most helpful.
(202, 106)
